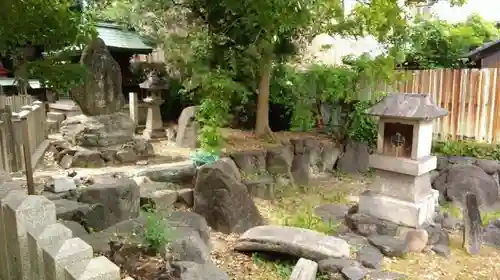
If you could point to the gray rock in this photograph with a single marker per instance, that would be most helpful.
(386, 275)
(491, 235)
(329, 156)
(186, 197)
(86, 159)
(461, 179)
(367, 225)
(332, 213)
(195, 271)
(370, 257)
(182, 174)
(293, 241)
(355, 158)
(489, 166)
(77, 229)
(332, 265)
(261, 187)
(356, 242)
(160, 200)
(250, 162)
(389, 246)
(4, 176)
(442, 250)
(279, 160)
(472, 225)
(120, 198)
(98, 131)
(224, 201)
(451, 222)
(187, 245)
(354, 272)
(102, 93)
(302, 164)
(191, 220)
(187, 129)
(71, 210)
(304, 270)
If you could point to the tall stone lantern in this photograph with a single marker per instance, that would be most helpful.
(154, 124)
(401, 192)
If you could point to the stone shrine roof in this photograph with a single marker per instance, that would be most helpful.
(407, 106)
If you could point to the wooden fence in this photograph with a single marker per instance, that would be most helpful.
(471, 96)
(12, 133)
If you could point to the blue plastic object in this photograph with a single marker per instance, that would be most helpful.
(200, 157)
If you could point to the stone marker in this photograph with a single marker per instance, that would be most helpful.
(23, 214)
(304, 270)
(62, 254)
(293, 241)
(102, 93)
(472, 237)
(50, 235)
(187, 129)
(99, 268)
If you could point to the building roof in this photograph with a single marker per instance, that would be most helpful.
(10, 82)
(414, 106)
(484, 50)
(116, 37)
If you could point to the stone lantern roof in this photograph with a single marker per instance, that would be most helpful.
(414, 106)
(154, 82)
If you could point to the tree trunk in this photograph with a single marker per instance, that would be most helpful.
(262, 128)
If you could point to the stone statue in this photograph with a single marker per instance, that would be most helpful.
(102, 92)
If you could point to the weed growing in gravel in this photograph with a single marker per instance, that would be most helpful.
(279, 266)
(455, 211)
(308, 220)
(156, 234)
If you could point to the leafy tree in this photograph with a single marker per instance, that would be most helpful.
(49, 26)
(438, 44)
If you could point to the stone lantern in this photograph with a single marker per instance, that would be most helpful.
(154, 124)
(401, 192)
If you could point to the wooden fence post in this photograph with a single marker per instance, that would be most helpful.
(27, 156)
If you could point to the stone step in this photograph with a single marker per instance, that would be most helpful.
(304, 270)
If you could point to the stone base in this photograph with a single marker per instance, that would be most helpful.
(399, 211)
(155, 133)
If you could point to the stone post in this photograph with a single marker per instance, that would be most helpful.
(99, 268)
(48, 237)
(133, 107)
(59, 255)
(23, 215)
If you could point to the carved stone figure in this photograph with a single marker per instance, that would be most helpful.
(102, 92)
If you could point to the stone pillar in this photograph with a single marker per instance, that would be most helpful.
(133, 107)
(23, 215)
(58, 256)
(99, 268)
(48, 237)
(154, 123)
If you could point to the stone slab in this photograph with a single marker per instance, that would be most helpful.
(100, 268)
(398, 211)
(304, 270)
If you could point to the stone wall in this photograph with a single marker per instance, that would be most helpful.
(33, 245)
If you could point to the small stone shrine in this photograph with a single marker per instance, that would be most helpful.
(154, 124)
(401, 192)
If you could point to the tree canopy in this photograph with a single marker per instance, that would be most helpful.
(438, 44)
(50, 26)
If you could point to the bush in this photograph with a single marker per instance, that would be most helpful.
(467, 148)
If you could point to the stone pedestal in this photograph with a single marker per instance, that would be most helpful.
(401, 192)
(154, 124)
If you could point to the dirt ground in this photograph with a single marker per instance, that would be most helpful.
(339, 188)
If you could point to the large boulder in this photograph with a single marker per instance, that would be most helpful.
(187, 128)
(355, 158)
(457, 180)
(223, 200)
(119, 199)
(102, 92)
(98, 131)
(292, 241)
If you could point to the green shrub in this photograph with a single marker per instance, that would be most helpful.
(308, 220)
(467, 148)
(156, 234)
